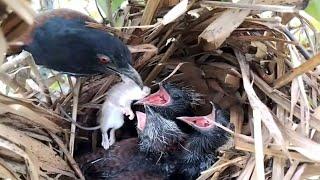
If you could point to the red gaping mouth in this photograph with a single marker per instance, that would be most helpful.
(159, 98)
(141, 120)
(200, 122)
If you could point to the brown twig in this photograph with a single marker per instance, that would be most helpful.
(244, 146)
(40, 81)
(76, 91)
(280, 99)
(149, 12)
(108, 29)
(157, 69)
(303, 68)
(173, 72)
(72, 162)
(256, 104)
(261, 38)
(255, 7)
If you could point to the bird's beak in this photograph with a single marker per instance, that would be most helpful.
(159, 98)
(129, 72)
(141, 120)
(132, 74)
(200, 122)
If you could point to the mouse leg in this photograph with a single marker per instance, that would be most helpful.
(112, 138)
(128, 112)
(105, 140)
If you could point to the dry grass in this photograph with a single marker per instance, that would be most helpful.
(247, 63)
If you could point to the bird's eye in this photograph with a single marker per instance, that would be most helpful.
(103, 59)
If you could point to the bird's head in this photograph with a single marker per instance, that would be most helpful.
(206, 140)
(156, 133)
(206, 124)
(172, 98)
(60, 40)
(116, 58)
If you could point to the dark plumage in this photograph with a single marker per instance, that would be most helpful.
(201, 138)
(61, 41)
(158, 134)
(171, 101)
(124, 161)
(199, 151)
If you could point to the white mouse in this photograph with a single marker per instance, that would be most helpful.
(117, 103)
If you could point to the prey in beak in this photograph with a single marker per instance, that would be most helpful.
(120, 66)
(128, 72)
(131, 73)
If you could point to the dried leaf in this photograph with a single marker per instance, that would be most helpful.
(22, 8)
(310, 170)
(303, 145)
(221, 28)
(257, 105)
(261, 49)
(278, 168)
(248, 170)
(31, 162)
(23, 111)
(303, 68)
(291, 170)
(149, 11)
(45, 155)
(249, 147)
(6, 173)
(175, 12)
(3, 47)
(295, 93)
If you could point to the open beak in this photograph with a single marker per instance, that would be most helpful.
(143, 117)
(141, 120)
(159, 98)
(202, 123)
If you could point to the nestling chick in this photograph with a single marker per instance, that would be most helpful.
(171, 101)
(117, 103)
(124, 161)
(156, 133)
(199, 151)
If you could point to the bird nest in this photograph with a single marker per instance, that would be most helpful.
(246, 58)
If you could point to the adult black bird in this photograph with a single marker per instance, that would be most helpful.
(60, 40)
(124, 161)
(200, 148)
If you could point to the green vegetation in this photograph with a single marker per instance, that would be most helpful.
(314, 9)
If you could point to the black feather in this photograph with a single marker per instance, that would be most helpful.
(67, 45)
(199, 151)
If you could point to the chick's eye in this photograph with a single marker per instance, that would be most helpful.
(103, 59)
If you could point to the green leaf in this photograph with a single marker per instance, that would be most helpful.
(55, 86)
(115, 5)
(313, 9)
